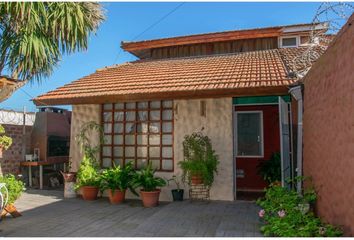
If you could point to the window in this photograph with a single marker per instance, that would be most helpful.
(289, 42)
(249, 133)
(138, 132)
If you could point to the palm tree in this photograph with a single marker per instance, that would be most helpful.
(35, 35)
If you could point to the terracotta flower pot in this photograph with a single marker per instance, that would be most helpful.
(89, 193)
(196, 179)
(69, 176)
(150, 199)
(116, 196)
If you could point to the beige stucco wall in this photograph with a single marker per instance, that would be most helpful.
(217, 124)
(80, 115)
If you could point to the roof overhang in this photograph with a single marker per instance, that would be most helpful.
(214, 93)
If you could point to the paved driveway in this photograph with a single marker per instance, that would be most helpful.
(47, 214)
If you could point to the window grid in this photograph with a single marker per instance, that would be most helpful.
(125, 110)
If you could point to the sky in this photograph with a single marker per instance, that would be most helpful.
(125, 21)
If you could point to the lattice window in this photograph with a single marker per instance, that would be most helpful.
(140, 132)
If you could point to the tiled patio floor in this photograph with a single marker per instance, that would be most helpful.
(47, 214)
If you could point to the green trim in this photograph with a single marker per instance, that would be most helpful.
(259, 100)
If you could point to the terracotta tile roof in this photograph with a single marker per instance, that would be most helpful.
(180, 77)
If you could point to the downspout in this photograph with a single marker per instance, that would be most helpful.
(296, 92)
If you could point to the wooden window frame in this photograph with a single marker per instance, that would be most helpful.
(136, 109)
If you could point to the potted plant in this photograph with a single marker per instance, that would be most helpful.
(88, 175)
(5, 141)
(270, 170)
(200, 161)
(177, 194)
(117, 180)
(149, 184)
(69, 181)
(15, 187)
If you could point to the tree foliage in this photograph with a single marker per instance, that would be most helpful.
(34, 35)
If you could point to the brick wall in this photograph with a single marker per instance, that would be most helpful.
(329, 130)
(10, 162)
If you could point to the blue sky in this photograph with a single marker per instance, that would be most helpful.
(127, 20)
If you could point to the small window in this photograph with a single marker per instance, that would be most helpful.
(249, 134)
(289, 42)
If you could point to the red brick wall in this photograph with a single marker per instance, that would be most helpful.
(10, 162)
(329, 130)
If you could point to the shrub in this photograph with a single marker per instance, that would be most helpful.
(199, 158)
(284, 215)
(14, 186)
(5, 141)
(270, 170)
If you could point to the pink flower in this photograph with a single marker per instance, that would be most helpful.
(261, 213)
(281, 213)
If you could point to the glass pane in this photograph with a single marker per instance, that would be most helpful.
(289, 42)
(107, 106)
(154, 127)
(155, 164)
(130, 105)
(118, 127)
(142, 105)
(141, 151)
(167, 104)
(106, 163)
(142, 127)
(167, 164)
(155, 104)
(249, 134)
(118, 162)
(119, 106)
(166, 139)
(107, 139)
(154, 139)
(142, 116)
(129, 139)
(130, 151)
(107, 128)
(142, 139)
(118, 152)
(118, 139)
(167, 152)
(167, 127)
(130, 128)
(130, 160)
(107, 116)
(107, 151)
(118, 116)
(155, 115)
(167, 115)
(154, 152)
(141, 163)
(130, 116)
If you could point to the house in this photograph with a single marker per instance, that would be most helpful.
(231, 85)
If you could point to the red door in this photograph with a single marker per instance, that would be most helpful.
(256, 138)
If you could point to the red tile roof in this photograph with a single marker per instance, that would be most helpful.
(259, 72)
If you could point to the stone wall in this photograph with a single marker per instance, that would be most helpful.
(329, 130)
(217, 124)
(10, 162)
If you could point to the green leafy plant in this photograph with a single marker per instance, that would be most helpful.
(5, 141)
(117, 178)
(14, 186)
(284, 216)
(199, 158)
(270, 170)
(146, 179)
(177, 181)
(88, 173)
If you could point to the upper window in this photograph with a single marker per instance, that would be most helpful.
(249, 133)
(138, 132)
(289, 42)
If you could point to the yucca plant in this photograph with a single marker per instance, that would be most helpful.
(117, 178)
(146, 179)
